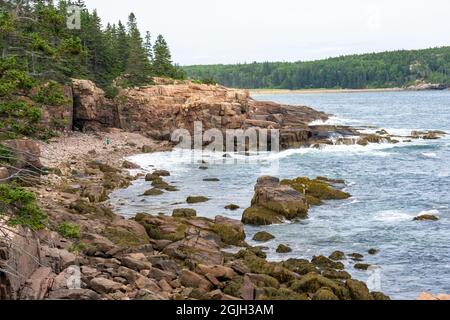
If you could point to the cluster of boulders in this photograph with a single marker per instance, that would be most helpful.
(275, 201)
(180, 256)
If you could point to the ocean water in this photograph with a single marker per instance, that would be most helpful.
(390, 184)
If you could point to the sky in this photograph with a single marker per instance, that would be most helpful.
(239, 31)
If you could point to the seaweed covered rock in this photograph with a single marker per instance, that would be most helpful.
(325, 294)
(263, 236)
(337, 255)
(358, 290)
(153, 192)
(282, 248)
(126, 233)
(324, 262)
(317, 190)
(161, 173)
(232, 207)
(300, 266)
(184, 213)
(230, 231)
(312, 282)
(426, 217)
(196, 199)
(273, 203)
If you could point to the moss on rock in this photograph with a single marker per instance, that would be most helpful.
(258, 215)
(282, 294)
(228, 234)
(196, 199)
(337, 255)
(325, 294)
(317, 189)
(232, 207)
(153, 192)
(282, 248)
(124, 238)
(263, 236)
(184, 213)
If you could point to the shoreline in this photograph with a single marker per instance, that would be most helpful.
(320, 91)
(148, 243)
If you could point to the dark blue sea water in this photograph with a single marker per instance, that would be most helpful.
(390, 184)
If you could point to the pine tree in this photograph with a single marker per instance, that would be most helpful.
(162, 61)
(138, 64)
(122, 46)
(148, 46)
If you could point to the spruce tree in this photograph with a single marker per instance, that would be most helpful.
(162, 61)
(138, 64)
(148, 46)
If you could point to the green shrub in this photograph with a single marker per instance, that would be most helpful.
(69, 230)
(51, 94)
(21, 208)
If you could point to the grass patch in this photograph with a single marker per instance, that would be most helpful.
(69, 230)
(20, 207)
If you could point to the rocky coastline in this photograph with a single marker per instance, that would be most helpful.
(87, 251)
(155, 256)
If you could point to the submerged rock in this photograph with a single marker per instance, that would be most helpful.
(263, 236)
(323, 262)
(129, 165)
(152, 177)
(356, 256)
(337, 255)
(161, 173)
(232, 207)
(426, 217)
(196, 199)
(153, 192)
(282, 248)
(361, 266)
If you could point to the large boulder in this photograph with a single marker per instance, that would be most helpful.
(273, 202)
(230, 231)
(12, 246)
(197, 249)
(91, 108)
(26, 153)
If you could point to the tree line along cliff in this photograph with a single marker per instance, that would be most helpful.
(375, 70)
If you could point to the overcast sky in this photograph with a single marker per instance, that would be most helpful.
(231, 31)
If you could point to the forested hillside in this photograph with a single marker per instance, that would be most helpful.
(40, 54)
(375, 70)
(34, 34)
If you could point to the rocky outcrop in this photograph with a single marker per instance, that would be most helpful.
(273, 203)
(19, 254)
(160, 109)
(421, 86)
(91, 109)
